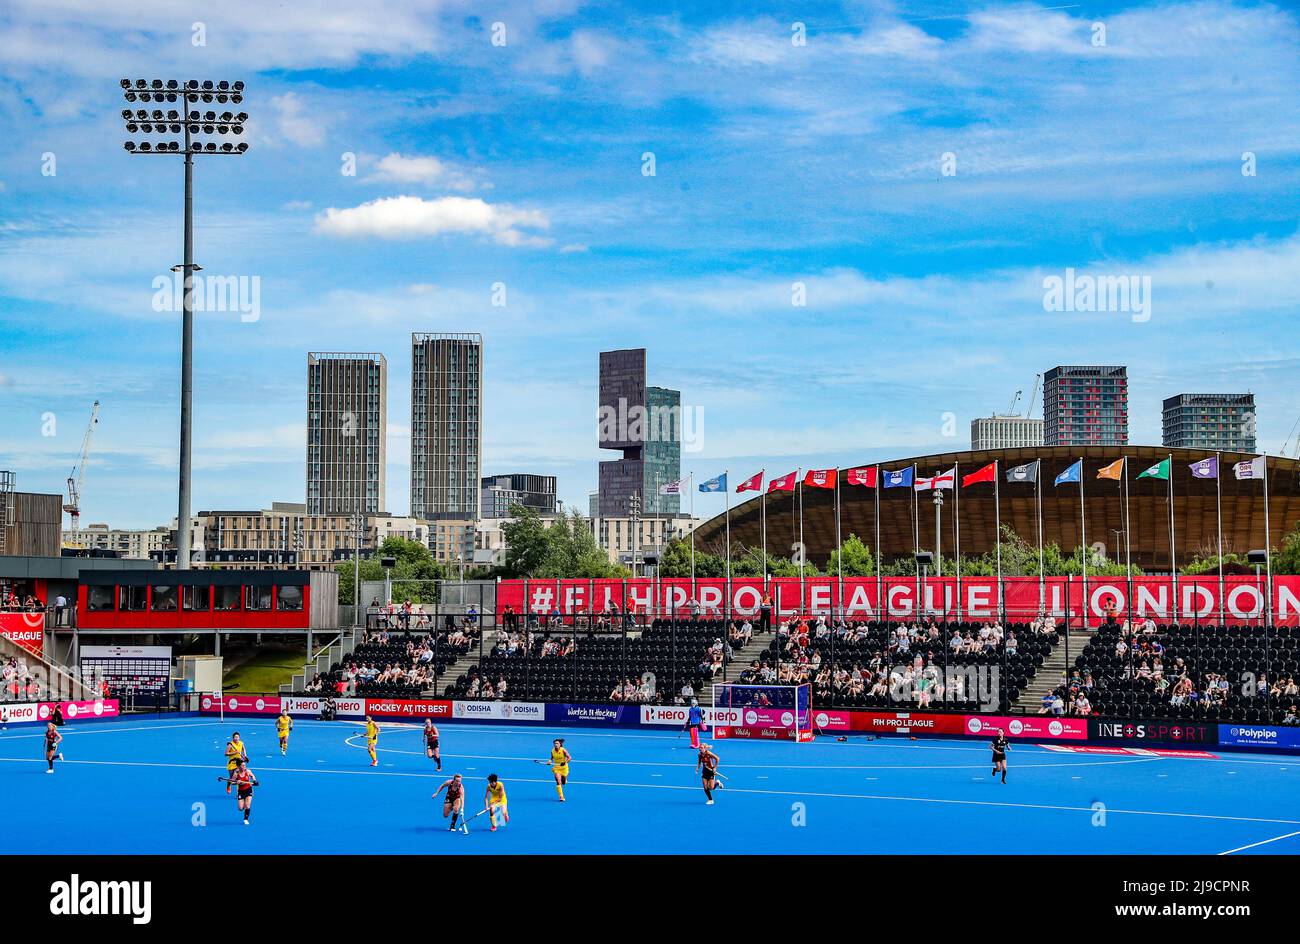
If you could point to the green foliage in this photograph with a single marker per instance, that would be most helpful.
(566, 548)
(1286, 559)
(414, 563)
(858, 560)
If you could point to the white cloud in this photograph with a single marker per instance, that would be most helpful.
(403, 169)
(293, 123)
(414, 218)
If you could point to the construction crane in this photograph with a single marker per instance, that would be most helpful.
(78, 475)
(1029, 409)
(1011, 410)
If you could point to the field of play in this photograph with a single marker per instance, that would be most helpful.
(149, 785)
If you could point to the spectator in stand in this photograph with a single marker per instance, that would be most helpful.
(1082, 707)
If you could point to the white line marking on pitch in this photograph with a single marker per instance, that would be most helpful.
(1263, 842)
(667, 786)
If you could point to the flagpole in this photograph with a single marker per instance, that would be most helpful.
(1218, 514)
(1268, 558)
(1128, 546)
(839, 545)
(956, 522)
(763, 514)
(1042, 578)
(879, 602)
(1173, 553)
(997, 536)
(916, 539)
(726, 478)
(1083, 539)
(803, 550)
(691, 479)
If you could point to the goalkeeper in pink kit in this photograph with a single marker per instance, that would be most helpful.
(695, 721)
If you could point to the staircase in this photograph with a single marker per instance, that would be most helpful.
(1051, 673)
(462, 665)
(55, 681)
(741, 658)
(342, 646)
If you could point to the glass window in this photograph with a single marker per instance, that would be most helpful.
(259, 598)
(290, 598)
(227, 598)
(134, 598)
(197, 598)
(165, 599)
(101, 598)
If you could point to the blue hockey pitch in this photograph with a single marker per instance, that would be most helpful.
(142, 785)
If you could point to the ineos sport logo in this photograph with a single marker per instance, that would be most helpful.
(75, 897)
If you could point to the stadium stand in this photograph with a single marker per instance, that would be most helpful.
(1179, 671)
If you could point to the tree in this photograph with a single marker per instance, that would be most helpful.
(415, 572)
(857, 559)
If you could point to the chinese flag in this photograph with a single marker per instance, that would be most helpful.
(864, 475)
(820, 478)
(783, 484)
(752, 484)
(987, 474)
(1113, 471)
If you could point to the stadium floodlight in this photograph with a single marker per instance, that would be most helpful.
(185, 128)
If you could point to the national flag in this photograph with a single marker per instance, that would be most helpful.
(673, 488)
(1158, 471)
(821, 478)
(902, 478)
(1114, 471)
(784, 483)
(938, 480)
(716, 484)
(987, 474)
(1250, 469)
(864, 476)
(1205, 468)
(1024, 473)
(1073, 474)
(752, 484)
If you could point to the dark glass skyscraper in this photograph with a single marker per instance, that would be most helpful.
(644, 424)
(1218, 422)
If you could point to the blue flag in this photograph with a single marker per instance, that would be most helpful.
(901, 478)
(715, 484)
(1073, 474)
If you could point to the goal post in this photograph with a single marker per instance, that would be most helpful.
(763, 711)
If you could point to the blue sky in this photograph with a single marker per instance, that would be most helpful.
(521, 164)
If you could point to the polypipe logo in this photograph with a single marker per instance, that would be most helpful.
(75, 897)
(1257, 734)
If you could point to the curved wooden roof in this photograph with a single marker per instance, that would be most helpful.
(1194, 507)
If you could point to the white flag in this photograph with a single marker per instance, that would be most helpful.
(673, 488)
(938, 480)
(1250, 469)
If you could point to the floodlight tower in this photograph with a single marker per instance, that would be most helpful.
(189, 125)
